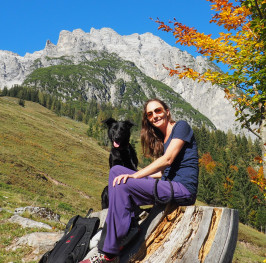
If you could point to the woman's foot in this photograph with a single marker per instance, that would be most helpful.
(101, 258)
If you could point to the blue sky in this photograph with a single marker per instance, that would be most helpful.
(25, 25)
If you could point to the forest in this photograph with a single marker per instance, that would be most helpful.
(228, 162)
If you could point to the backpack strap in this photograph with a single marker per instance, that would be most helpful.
(83, 248)
(70, 224)
(89, 213)
(44, 258)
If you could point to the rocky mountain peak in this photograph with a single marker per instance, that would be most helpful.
(148, 52)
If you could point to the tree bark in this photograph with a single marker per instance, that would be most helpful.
(263, 145)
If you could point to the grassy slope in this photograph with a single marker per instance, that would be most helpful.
(251, 245)
(36, 146)
(47, 161)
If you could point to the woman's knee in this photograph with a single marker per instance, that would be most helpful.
(118, 170)
(115, 171)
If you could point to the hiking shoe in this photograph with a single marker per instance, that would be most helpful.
(101, 258)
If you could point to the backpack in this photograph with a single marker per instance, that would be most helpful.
(74, 245)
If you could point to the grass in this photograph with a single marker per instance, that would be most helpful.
(49, 161)
(45, 161)
(251, 245)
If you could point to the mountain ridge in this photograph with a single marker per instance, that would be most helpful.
(146, 51)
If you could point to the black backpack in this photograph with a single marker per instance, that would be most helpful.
(74, 245)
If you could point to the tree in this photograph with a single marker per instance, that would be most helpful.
(41, 98)
(21, 102)
(4, 91)
(242, 48)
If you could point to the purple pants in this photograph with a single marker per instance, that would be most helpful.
(121, 198)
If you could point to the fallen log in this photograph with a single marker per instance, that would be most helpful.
(193, 234)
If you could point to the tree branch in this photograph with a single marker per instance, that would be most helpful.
(258, 9)
(247, 126)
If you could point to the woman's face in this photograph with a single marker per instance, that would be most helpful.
(156, 114)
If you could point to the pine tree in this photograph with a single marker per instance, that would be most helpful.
(21, 102)
(4, 92)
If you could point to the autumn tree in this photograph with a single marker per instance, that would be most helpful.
(242, 48)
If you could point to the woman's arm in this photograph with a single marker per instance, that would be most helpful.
(158, 165)
(156, 175)
(162, 162)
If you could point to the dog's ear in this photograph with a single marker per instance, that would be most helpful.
(129, 124)
(109, 121)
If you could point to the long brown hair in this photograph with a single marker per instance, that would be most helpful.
(151, 137)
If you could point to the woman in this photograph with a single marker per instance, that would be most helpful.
(174, 146)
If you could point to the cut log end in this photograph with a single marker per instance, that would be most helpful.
(187, 234)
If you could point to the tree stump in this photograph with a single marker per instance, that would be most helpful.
(193, 234)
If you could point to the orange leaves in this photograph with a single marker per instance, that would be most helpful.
(228, 15)
(234, 168)
(260, 181)
(228, 185)
(163, 26)
(258, 159)
(183, 72)
(242, 50)
(230, 96)
(207, 162)
(234, 50)
(257, 177)
(252, 172)
(224, 49)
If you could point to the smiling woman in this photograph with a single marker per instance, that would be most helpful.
(174, 146)
(151, 136)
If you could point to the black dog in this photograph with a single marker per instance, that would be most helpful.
(122, 152)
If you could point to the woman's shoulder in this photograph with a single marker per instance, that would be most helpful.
(182, 130)
(181, 124)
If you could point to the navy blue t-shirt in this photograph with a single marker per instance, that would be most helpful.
(185, 168)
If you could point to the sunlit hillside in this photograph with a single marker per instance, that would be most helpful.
(48, 160)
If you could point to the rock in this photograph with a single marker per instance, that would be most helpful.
(25, 222)
(101, 215)
(40, 242)
(41, 212)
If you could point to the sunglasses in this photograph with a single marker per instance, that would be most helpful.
(157, 111)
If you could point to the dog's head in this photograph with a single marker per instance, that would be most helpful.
(118, 132)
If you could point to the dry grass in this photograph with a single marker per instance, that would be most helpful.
(48, 159)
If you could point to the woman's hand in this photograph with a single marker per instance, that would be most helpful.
(123, 177)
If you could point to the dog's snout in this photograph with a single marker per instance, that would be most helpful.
(116, 138)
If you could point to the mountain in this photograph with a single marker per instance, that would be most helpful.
(146, 51)
(107, 78)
